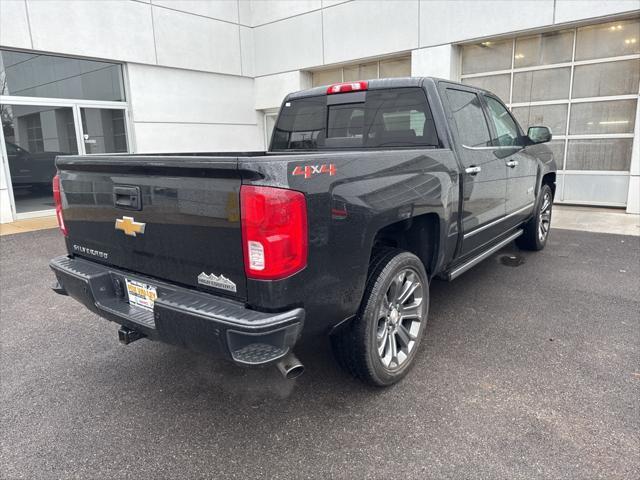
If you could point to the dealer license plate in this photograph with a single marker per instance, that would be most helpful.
(141, 294)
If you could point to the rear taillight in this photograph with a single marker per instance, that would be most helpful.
(57, 199)
(347, 87)
(274, 231)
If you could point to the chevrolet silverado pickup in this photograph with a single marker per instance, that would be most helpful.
(368, 192)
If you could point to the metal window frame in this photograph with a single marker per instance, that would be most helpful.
(566, 136)
(75, 106)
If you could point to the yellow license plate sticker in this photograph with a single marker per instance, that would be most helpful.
(140, 294)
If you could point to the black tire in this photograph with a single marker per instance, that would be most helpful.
(536, 230)
(356, 346)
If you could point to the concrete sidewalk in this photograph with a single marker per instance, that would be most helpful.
(586, 219)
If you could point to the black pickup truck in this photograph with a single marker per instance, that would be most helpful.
(369, 191)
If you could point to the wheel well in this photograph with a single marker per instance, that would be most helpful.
(419, 235)
(550, 179)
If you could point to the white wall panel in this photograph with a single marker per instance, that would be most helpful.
(247, 49)
(221, 9)
(289, 45)
(161, 94)
(180, 137)
(442, 21)
(367, 28)
(14, 27)
(331, 3)
(117, 30)
(190, 41)
(5, 206)
(271, 90)
(570, 10)
(269, 11)
(441, 61)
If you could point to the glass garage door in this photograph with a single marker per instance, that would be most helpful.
(583, 83)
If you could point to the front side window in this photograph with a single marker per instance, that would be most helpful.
(507, 131)
(397, 117)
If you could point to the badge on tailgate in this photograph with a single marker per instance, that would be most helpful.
(129, 226)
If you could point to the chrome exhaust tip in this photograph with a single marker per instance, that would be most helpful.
(290, 367)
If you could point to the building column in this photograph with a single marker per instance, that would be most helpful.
(442, 62)
(633, 198)
(6, 215)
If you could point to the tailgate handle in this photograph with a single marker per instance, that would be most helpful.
(127, 197)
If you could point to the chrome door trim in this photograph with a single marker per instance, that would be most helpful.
(501, 219)
(456, 272)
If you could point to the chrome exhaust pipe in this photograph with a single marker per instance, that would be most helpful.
(290, 367)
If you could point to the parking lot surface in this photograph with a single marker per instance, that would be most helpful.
(530, 369)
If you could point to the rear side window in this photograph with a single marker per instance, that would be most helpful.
(398, 117)
(470, 121)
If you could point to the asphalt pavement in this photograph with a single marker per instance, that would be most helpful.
(529, 369)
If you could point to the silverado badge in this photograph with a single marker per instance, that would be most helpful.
(217, 281)
(129, 226)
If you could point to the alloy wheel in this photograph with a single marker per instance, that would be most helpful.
(400, 318)
(544, 220)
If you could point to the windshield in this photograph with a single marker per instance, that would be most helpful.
(398, 117)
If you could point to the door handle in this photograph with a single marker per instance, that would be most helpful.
(512, 164)
(473, 170)
(127, 197)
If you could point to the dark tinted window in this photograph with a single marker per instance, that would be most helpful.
(470, 121)
(36, 75)
(387, 118)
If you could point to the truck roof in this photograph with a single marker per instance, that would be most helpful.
(378, 83)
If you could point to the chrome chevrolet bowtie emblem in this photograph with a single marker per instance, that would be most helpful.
(129, 226)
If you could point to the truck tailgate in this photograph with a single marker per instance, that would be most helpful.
(184, 227)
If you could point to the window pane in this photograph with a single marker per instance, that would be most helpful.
(326, 77)
(398, 67)
(506, 129)
(398, 117)
(552, 116)
(557, 148)
(35, 75)
(608, 40)
(617, 116)
(365, 71)
(467, 113)
(499, 85)
(34, 135)
(603, 79)
(600, 154)
(544, 49)
(104, 130)
(539, 85)
(486, 56)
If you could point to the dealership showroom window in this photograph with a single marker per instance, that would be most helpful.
(579, 77)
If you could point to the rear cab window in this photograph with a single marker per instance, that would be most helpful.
(382, 118)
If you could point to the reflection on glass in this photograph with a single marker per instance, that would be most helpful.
(608, 39)
(600, 154)
(539, 85)
(36, 75)
(604, 79)
(104, 130)
(616, 116)
(499, 85)
(552, 116)
(487, 56)
(543, 49)
(34, 136)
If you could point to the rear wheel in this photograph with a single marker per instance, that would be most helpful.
(380, 344)
(536, 230)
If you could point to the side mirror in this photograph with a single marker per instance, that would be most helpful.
(539, 134)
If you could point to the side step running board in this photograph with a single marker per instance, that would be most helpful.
(459, 270)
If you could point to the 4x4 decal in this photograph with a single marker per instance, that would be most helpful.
(309, 170)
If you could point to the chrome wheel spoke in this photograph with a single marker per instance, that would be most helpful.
(400, 318)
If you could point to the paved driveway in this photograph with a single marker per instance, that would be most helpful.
(528, 371)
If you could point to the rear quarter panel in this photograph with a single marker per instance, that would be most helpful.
(348, 202)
